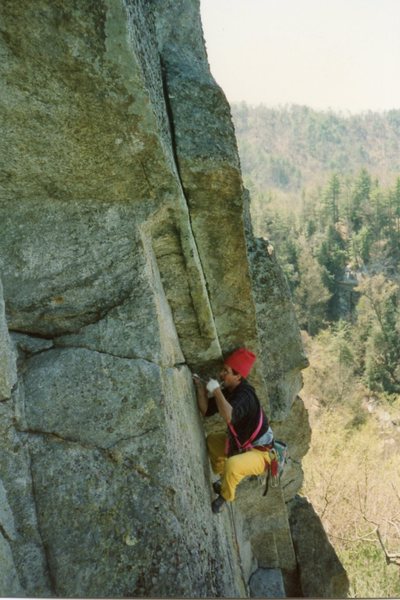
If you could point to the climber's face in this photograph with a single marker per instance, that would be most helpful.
(229, 377)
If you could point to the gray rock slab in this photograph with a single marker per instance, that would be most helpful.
(85, 266)
(123, 528)
(265, 524)
(321, 573)
(283, 356)
(267, 583)
(140, 327)
(209, 170)
(92, 398)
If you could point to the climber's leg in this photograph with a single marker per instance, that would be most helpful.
(216, 451)
(242, 465)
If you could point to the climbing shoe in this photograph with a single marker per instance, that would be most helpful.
(217, 486)
(218, 504)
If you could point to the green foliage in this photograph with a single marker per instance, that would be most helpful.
(359, 199)
(382, 347)
(330, 376)
(331, 199)
(350, 224)
(361, 244)
(332, 253)
(369, 574)
(343, 222)
(310, 295)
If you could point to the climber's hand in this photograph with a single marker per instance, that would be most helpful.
(196, 379)
(212, 385)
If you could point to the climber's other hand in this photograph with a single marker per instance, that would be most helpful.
(212, 385)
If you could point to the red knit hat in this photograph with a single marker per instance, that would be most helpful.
(241, 361)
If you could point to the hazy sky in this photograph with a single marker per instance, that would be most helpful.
(339, 54)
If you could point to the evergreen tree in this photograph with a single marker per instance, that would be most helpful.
(360, 198)
(311, 294)
(331, 200)
(382, 354)
(393, 227)
(361, 243)
(332, 256)
(396, 203)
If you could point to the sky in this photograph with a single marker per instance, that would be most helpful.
(327, 54)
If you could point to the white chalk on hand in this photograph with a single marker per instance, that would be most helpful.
(212, 385)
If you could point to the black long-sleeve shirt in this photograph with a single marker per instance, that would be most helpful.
(245, 413)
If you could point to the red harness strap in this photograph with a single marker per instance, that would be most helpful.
(247, 445)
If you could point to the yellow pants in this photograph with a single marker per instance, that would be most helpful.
(235, 468)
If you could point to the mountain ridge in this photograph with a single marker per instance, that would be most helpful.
(292, 147)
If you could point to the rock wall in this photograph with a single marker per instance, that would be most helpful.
(127, 260)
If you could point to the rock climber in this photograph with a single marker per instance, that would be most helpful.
(245, 448)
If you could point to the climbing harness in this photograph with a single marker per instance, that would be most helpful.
(277, 450)
(246, 445)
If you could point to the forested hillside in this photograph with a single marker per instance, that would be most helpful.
(295, 147)
(325, 191)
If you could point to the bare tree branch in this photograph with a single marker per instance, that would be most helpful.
(393, 559)
(396, 492)
(362, 538)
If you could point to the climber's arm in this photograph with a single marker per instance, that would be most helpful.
(224, 408)
(201, 393)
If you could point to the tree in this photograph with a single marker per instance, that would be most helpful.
(396, 203)
(361, 243)
(332, 256)
(311, 295)
(359, 198)
(331, 199)
(393, 228)
(382, 354)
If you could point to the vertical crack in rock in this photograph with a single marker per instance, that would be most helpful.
(236, 542)
(188, 255)
(180, 272)
(170, 118)
(46, 552)
(5, 535)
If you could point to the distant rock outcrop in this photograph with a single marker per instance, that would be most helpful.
(127, 260)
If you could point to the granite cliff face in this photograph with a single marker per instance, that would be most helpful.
(126, 261)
